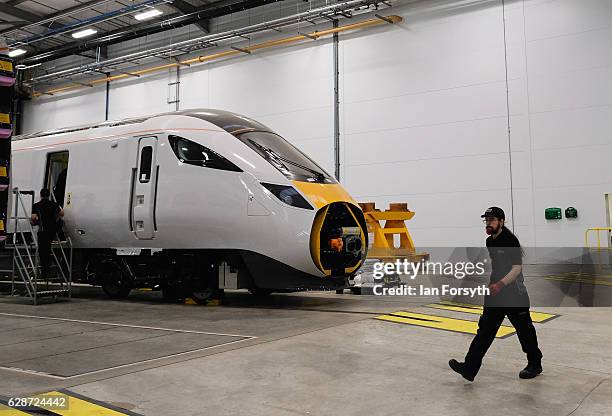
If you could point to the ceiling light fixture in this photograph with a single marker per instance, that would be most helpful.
(149, 14)
(16, 52)
(84, 33)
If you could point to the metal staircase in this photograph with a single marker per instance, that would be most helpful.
(25, 263)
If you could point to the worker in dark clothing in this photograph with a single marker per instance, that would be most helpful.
(46, 214)
(507, 297)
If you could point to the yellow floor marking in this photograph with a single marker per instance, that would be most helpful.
(9, 411)
(585, 274)
(440, 322)
(535, 316)
(79, 407)
(588, 281)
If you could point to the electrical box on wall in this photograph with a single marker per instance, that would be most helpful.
(571, 212)
(552, 213)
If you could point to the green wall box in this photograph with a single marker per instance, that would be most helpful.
(552, 213)
(571, 212)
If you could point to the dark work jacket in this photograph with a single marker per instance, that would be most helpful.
(505, 251)
(48, 216)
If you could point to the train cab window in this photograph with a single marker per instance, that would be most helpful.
(193, 153)
(281, 154)
(146, 161)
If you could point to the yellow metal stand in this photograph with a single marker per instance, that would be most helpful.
(383, 246)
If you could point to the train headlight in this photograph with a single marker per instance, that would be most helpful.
(288, 194)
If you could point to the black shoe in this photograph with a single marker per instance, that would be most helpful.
(460, 368)
(530, 371)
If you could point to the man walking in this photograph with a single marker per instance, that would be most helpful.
(46, 214)
(507, 297)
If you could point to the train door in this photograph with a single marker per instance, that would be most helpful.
(56, 173)
(144, 189)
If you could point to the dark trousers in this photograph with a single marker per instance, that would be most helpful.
(489, 323)
(44, 253)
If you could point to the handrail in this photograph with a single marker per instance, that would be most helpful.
(598, 229)
(26, 262)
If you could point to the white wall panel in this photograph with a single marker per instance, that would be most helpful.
(568, 81)
(195, 86)
(425, 118)
(549, 18)
(47, 113)
(140, 97)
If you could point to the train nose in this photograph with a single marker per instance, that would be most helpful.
(338, 241)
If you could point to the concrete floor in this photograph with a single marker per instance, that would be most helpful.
(312, 354)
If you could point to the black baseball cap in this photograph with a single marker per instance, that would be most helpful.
(496, 212)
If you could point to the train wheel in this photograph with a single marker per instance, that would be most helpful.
(114, 283)
(116, 290)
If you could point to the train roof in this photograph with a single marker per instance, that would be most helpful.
(228, 121)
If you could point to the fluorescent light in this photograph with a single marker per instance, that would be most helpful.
(16, 52)
(84, 33)
(149, 14)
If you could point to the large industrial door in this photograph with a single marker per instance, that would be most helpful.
(144, 189)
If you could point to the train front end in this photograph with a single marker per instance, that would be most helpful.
(338, 238)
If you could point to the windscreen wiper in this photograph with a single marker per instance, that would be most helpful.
(318, 174)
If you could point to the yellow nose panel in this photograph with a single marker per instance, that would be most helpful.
(321, 194)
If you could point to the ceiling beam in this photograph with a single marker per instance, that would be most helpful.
(26, 17)
(208, 11)
(19, 13)
(186, 8)
(15, 2)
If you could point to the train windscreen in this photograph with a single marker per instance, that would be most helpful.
(285, 157)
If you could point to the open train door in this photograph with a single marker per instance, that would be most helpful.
(144, 189)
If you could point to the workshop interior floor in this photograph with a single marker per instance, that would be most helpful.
(315, 353)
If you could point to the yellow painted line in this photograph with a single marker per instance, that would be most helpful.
(79, 407)
(9, 411)
(440, 322)
(535, 316)
(580, 280)
(582, 274)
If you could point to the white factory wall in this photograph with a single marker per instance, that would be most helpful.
(58, 111)
(425, 111)
(133, 97)
(424, 117)
(560, 66)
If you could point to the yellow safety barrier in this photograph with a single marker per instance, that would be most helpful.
(598, 229)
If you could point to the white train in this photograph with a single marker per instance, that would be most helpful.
(164, 201)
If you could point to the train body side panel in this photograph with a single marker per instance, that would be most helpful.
(196, 207)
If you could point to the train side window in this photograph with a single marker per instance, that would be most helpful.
(146, 161)
(192, 153)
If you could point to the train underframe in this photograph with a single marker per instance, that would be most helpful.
(201, 275)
